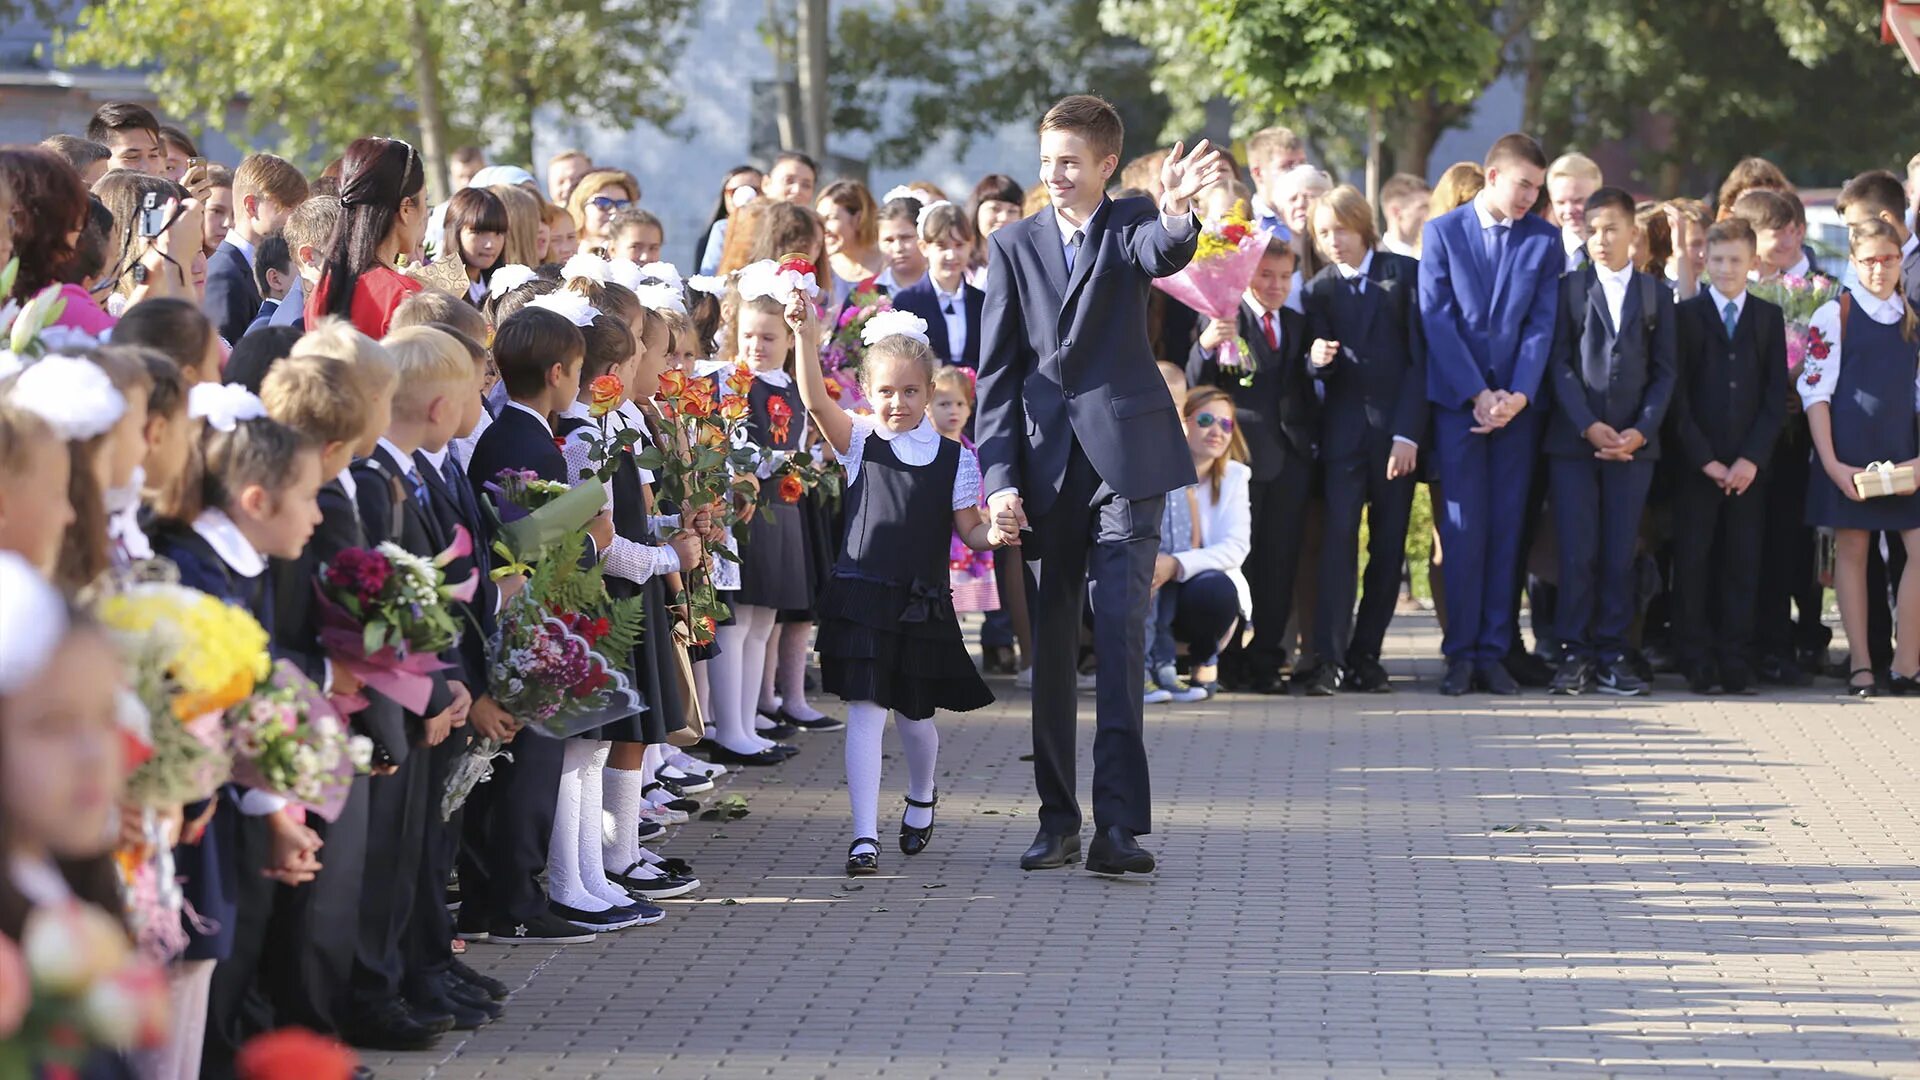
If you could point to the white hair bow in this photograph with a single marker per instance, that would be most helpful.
(574, 307)
(72, 395)
(902, 191)
(32, 622)
(664, 272)
(765, 278)
(223, 407)
(509, 277)
(587, 265)
(625, 272)
(895, 323)
(655, 296)
(921, 220)
(711, 284)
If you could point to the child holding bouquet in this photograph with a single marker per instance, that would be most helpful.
(890, 643)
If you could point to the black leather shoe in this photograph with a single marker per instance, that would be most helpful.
(1115, 851)
(1459, 678)
(1366, 676)
(733, 757)
(779, 732)
(1736, 679)
(1527, 669)
(1322, 681)
(1703, 677)
(1496, 679)
(471, 996)
(387, 1026)
(493, 988)
(914, 841)
(459, 1017)
(1574, 678)
(1051, 852)
(1777, 672)
(863, 863)
(1265, 682)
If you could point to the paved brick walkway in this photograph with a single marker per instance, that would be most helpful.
(1403, 886)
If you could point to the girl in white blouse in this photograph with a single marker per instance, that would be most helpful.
(1863, 413)
(1205, 534)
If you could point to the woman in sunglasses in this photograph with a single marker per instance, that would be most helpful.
(1206, 531)
(598, 196)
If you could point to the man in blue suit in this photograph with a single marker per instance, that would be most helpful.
(1080, 442)
(1489, 294)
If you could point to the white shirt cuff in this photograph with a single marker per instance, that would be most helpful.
(1407, 441)
(1180, 228)
(257, 803)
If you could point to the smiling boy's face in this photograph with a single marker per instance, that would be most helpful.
(1076, 179)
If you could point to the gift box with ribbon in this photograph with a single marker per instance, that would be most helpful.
(1883, 478)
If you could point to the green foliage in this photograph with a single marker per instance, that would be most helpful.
(560, 583)
(908, 73)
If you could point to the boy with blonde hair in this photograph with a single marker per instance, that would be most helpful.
(306, 230)
(1571, 179)
(1271, 154)
(265, 192)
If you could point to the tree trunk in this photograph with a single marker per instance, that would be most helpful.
(787, 118)
(811, 67)
(433, 120)
(1373, 156)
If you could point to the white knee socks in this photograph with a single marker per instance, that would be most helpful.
(564, 884)
(623, 798)
(731, 728)
(794, 639)
(758, 625)
(866, 722)
(593, 873)
(768, 701)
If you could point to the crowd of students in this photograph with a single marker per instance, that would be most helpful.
(253, 370)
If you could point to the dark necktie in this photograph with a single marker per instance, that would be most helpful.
(1273, 332)
(1073, 248)
(1496, 244)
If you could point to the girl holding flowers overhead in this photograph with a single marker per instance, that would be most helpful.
(889, 640)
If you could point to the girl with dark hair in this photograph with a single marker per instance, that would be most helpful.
(476, 230)
(383, 219)
(741, 186)
(996, 202)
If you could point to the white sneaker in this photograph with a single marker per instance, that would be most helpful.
(1158, 695)
(1023, 680)
(1187, 694)
(662, 815)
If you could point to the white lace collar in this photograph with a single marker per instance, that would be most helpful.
(920, 437)
(774, 378)
(226, 540)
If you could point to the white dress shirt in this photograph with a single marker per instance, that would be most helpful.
(1613, 286)
(1721, 300)
(1819, 377)
(916, 449)
(1394, 246)
(625, 558)
(953, 307)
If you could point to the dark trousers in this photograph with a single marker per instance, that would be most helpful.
(1279, 510)
(1883, 585)
(429, 941)
(1596, 512)
(1354, 484)
(396, 843)
(1484, 479)
(509, 825)
(236, 1008)
(1717, 540)
(1197, 613)
(1092, 541)
(1789, 576)
(310, 943)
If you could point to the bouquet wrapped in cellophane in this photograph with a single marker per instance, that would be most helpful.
(1212, 283)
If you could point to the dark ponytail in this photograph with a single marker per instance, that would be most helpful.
(376, 176)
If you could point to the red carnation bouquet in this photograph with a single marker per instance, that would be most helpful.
(385, 613)
(1223, 264)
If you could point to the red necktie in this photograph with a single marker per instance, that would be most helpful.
(1273, 335)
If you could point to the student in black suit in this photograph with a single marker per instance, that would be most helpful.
(1279, 417)
(1370, 354)
(1727, 411)
(1078, 430)
(266, 189)
(510, 818)
(943, 298)
(394, 505)
(1613, 368)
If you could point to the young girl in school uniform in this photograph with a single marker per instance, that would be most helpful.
(1861, 412)
(889, 640)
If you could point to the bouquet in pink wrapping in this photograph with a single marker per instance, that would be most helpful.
(385, 613)
(1224, 263)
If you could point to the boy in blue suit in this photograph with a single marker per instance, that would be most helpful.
(1076, 427)
(1489, 292)
(1614, 367)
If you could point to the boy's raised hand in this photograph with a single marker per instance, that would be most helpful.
(1186, 174)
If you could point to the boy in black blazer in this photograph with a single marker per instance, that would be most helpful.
(1279, 418)
(1369, 355)
(942, 297)
(1727, 413)
(1613, 368)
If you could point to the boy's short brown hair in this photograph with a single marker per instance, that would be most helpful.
(312, 224)
(1516, 148)
(1764, 208)
(1733, 230)
(1700, 213)
(1143, 172)
(430, 306)
(529, 343)
(1403, 186)
(1278, 248)
(1878, 190)
(316, 396)
(274, 177)
(80, 152)
(1269, 141)
(1092, 118)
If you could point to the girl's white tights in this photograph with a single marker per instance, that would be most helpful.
(866, 722)
(728, 683)
(576, 874)
(794, 639)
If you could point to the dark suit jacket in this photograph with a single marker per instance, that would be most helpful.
(1378, 383)
(233, 298)
(1278, 414)
(389, 511)
(455, 508)
(1487, 327)
(515, 440)
(1065, 357)
(921, 299)
(1620, 376)
(1731, 398)
(265, 317)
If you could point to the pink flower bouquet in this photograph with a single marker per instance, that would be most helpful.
(1229, 252)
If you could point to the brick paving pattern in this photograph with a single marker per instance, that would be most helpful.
(1365, 886)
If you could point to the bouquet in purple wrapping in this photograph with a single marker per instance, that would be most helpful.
(1224, 263)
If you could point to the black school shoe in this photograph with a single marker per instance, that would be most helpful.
(1703, 677)
(545, 928)
(493, 988)
(1365, 675)
(662, 885)
(825, 723)
(387, 1025)
(1618, 679)
(1575, 677)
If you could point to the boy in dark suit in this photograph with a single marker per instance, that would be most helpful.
(1279, 418)
(266, 191)
(1370, 354)
(1077, 429)
(1727, 412)
(943, 298)
(1489, 291)
(539, 354)
(1614, 369)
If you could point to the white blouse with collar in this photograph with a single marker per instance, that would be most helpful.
(1819, 377)
(916, 449)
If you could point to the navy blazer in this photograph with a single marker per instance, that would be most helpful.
(1279, 414)
(233, 297)
(1731, 398)
(1488, 328)
(1378, 382)
(921, 299)
(456, 506)
(1066, 357)
(390, 511)
(515, 440)
(1620, 376)
(264, 318)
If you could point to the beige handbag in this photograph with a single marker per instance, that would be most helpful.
(682, 674)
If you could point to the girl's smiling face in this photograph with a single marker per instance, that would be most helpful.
(762, 339)
(897, 386)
